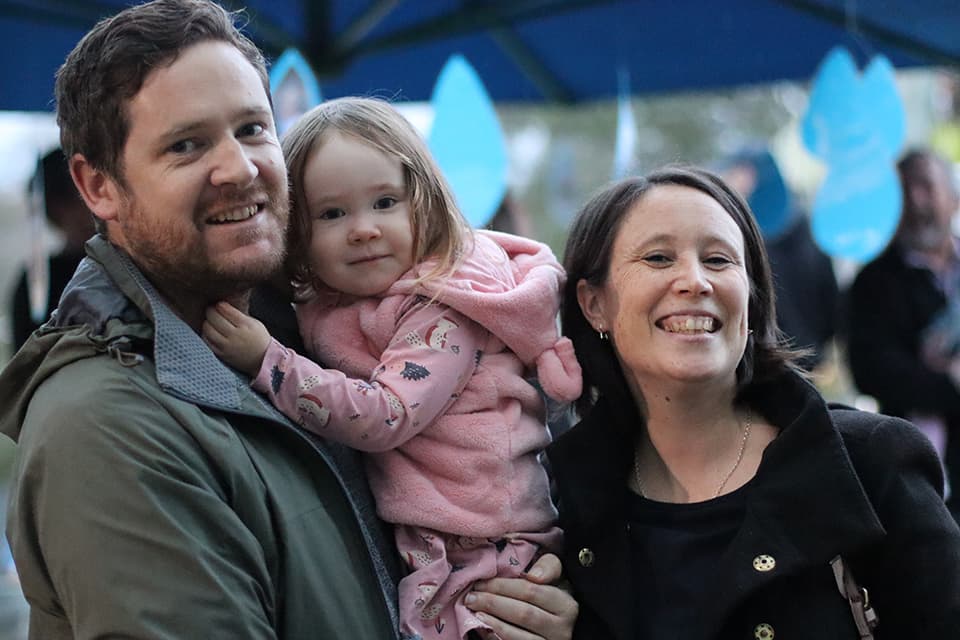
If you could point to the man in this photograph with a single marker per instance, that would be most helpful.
(904, 331)
(155, 495)
(67, 213)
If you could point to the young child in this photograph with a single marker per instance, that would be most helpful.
(429, 330)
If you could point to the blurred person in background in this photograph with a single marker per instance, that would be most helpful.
(67, 214)
(904, 313)
(807, 294)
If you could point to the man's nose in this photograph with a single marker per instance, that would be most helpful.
(233, 164)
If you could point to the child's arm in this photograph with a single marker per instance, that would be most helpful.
(236, 338)
(432, 355)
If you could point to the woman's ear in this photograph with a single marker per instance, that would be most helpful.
(592, 305)
(101, 192)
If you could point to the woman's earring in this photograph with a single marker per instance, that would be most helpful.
(604, 336)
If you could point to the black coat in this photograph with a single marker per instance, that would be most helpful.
(834, 482)
(890, 304)
(808, 297)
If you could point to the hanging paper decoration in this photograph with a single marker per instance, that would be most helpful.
(624, 151)
(467, 141)
(856, 125)
(38, 266)
(294, 88)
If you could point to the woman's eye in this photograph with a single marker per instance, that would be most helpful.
(718, 261)
(385, 202)
(331, 214)
(656, 259)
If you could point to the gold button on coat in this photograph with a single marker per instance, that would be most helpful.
(763, 631)
(586, 557)
(763, 562)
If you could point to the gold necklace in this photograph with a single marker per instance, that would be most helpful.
(726, 478)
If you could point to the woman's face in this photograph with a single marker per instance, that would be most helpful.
(676, 298)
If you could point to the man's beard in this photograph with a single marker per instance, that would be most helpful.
(180, 265)
(925, 237)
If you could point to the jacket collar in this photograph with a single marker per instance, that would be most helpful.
(805, 470)
(806, 480)
(185, 365)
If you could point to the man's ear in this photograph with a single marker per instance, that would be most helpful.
(101, 192)
(592, 305)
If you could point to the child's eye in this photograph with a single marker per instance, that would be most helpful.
(331, 214)
(385, 202)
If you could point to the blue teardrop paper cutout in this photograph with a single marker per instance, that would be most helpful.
(467, 141)
(856, 125)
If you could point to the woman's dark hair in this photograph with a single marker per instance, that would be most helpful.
(587, 257)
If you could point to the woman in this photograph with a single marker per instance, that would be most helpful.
(708, 487)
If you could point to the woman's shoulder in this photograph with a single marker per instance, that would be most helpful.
(862, 429)
(882, 446)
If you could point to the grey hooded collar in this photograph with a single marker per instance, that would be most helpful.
(185, 365)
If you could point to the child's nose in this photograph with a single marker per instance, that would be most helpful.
(364, 230)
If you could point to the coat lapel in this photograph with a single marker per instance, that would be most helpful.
(593, 460)
(805, 504)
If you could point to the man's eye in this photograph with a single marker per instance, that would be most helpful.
(252, 129)
(183, 147)
(331, 214)
(385, 202)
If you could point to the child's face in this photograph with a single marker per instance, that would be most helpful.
(360, 216)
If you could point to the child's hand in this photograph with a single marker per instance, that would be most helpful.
(236, 338)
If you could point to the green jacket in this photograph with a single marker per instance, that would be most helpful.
(156, 496)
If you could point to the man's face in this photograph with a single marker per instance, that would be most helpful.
(929, 204)
(204, 207)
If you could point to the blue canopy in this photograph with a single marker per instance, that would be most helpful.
(564, 51)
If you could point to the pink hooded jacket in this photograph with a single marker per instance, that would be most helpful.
(436, 393)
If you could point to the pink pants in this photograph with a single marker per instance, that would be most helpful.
(443, 568)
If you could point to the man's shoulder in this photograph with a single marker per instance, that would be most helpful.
(889, 260)
(102, 408)
(888, 271)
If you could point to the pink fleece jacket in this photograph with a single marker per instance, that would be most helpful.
(436, 392)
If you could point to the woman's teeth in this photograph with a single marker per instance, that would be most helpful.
(690, 324)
